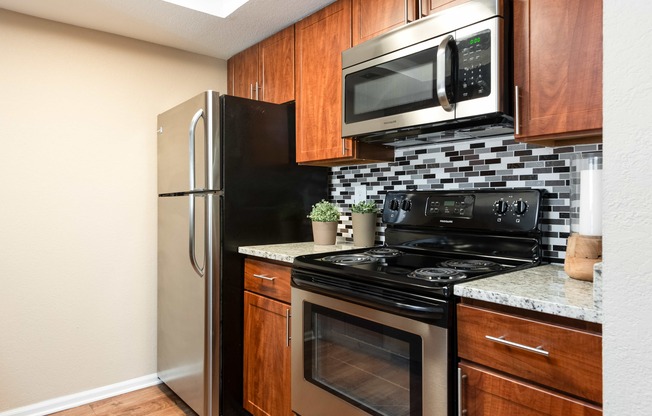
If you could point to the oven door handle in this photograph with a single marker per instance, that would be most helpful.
(407, 307)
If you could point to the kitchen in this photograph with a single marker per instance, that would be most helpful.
(79, 267)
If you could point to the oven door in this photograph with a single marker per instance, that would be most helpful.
(352, 360)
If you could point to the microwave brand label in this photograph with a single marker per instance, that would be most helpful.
(446, 221)
(389, 122)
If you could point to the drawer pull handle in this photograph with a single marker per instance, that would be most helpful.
(502, 340)
(262, 276)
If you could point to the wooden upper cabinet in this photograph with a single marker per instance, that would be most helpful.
(276, 67)
(319, 42)
(243, 73)
(558, 71)
(429, 7)
(265, 71)
(375, 17)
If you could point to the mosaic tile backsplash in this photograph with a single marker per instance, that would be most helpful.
(497, 162)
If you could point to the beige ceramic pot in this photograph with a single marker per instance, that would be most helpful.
(364, 229)
(324, 233)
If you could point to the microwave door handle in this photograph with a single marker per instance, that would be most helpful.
(441, 74)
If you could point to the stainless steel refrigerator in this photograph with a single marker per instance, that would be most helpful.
(226, 178)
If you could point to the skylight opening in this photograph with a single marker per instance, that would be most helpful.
(219, 8)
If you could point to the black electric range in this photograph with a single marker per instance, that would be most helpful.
(433, 240)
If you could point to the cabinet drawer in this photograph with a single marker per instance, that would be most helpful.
(269, 279)
(573, 363)
(485, 392)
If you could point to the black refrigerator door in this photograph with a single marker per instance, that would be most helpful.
(267, 195)
(266, 199)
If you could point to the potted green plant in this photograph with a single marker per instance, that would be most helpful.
(325, 217)
(363, 216)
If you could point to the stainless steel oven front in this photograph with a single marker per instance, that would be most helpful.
(349, 359)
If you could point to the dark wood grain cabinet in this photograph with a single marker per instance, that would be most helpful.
(264, 71)
(375, 17)
(429, 7)
(319, 42)
(516, 365)
(558, 71)
(267, 311)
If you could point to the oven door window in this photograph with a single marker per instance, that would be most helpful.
(372, 366)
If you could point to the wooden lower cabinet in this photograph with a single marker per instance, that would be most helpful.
(489, 393)
(266, 356)
(524, 363)
(266, 371)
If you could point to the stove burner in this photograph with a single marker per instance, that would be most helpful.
(383, 252)
(437, 274)
(349, 259)
(471, 265)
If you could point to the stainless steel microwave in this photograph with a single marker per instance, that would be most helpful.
(444, 77)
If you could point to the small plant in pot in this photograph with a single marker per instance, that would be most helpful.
(325, 217)
(363, 216)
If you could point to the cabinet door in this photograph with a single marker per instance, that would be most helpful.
(573, 363)
(558, 70)
(429, 7)
(243, 73)
(320, 40)
(276, 67)
(266, 356)
(488, 393)
(374, 17)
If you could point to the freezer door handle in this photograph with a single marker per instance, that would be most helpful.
(191, 146)
(191, 236)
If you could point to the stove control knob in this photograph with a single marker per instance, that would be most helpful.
(393, 205)
(500, 207)
(520, 207)
(406, 205)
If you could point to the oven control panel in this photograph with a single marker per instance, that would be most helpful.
(505, 210)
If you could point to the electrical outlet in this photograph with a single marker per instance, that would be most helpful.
(360, 193)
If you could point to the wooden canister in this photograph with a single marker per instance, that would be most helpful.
(582, 252)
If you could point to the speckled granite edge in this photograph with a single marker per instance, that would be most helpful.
(287, 252)
(544, 289)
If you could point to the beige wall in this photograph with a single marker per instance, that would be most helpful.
(78, 203)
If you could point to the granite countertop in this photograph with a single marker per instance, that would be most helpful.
(544, 288)
(287, 252)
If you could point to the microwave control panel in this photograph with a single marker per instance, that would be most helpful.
(474, 71)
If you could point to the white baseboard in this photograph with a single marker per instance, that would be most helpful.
(78, 399)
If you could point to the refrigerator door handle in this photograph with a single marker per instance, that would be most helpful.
(191, 236)
(191, 146)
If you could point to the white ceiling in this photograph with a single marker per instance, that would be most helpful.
(168, 24)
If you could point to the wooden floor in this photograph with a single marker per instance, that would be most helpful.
(157, 400)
